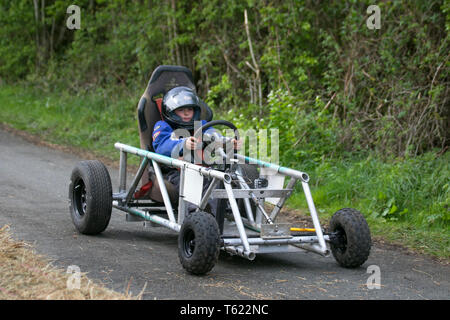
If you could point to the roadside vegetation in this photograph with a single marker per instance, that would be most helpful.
(364, 112)
(25, 275)
(405, 200)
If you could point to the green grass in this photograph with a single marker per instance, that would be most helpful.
(406, 201)
(93, 121)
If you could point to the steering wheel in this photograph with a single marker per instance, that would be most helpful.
(228, 124)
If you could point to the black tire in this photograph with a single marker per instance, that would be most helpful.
(199, 243)
(352, 241)
(90, 195)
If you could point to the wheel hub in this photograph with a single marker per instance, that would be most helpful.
(80, 197)
(189, 243)
(339, 240)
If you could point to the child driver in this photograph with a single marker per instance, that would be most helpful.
(180, 108)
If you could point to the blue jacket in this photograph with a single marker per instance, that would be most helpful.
(166, 143)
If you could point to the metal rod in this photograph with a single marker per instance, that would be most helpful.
(248, 210)
(314, 217)
(150, 217)
(261, 241)
(136, 180)
(254, 199)
(244, 185)
(172, 162)
(240, 252)
(276, 168)
(252, 193)
(123, 171)
(208, 192)
(259, 204)
(281, 202)
(237, 217)
(149, 205)
(313, 247)
(181, 203)
(258, 218)
(162, 188)
(251, 225)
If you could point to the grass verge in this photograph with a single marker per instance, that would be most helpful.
(25, 275)
(92, 121)
(406, 201)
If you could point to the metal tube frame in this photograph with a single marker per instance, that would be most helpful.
(280, 204)
(208, 193)
(242, 246)
(181, 202)
(123, 171)
(164, 193)
(244, 185)
(136, 180)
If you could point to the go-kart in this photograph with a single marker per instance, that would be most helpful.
(242, 224)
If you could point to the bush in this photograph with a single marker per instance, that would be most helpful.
(353, 89)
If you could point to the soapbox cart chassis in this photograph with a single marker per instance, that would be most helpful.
(248, 228)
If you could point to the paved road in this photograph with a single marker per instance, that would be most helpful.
(33, 201)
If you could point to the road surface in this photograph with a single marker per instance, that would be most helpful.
(34, 182)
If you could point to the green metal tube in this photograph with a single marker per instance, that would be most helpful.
(282, 170)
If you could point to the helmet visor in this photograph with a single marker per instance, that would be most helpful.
(183, 97)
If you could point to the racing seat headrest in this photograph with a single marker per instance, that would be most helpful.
(163, 78)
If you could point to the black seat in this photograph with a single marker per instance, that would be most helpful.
(163, 79)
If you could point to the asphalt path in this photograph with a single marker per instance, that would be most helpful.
(34, 182)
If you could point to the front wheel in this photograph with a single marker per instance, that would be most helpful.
(199, 243)
(351, 238)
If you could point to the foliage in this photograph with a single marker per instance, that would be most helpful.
(17, 46)
(366, 111)
(383, 90)
(415, 190)
(84, 121)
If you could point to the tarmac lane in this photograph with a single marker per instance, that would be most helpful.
(34, 182)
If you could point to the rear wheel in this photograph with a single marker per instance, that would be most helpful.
(90, 195)
(351, 238)
(199, 243)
